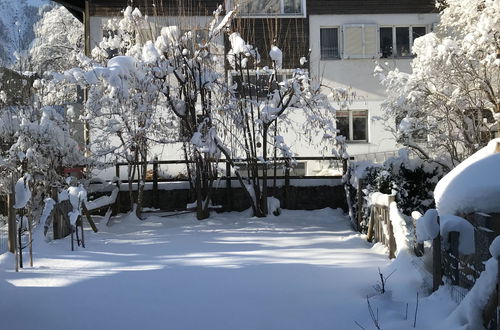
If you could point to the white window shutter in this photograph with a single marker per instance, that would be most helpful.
(371, 41)
(360, 41)
(353, 41)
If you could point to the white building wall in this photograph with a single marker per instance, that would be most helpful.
(357, 74)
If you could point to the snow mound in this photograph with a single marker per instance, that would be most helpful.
(427, 226)
(495, 248)
(466, 243)
(23, 193)
(474, 185)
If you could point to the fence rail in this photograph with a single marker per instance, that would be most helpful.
(288, 166)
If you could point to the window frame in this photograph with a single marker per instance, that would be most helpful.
(394, 41)
(339, 42)
(350, 138)
(282, 14)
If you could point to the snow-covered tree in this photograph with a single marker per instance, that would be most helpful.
(141, 84)
(449, 106)
(258, 104)
(36, 141)
(58, 41)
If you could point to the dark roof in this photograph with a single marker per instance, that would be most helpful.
(76, 7)
(344, 7)
(206, 7)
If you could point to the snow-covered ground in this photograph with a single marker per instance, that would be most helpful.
(301, 270)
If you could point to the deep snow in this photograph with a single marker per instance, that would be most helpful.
(301, 270)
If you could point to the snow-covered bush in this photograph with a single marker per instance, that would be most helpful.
(411, 180)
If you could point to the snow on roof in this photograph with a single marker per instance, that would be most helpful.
(474, 185)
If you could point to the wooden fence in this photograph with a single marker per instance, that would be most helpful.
(380, 228)
(447, 262)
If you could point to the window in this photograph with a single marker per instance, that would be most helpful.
(273, 7)
(386, 42)
(353, 124)
(259, 83)
(329, 40)
(360, 41)
(398, 41)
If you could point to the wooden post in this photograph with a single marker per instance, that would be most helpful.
(229, 195)
(156, 196)
(344, 166)
(11, 220)
(117, 205)
(392, 239)
(89, 218)
(287, 184)
(20, 242)
(56, 223)
(359, 206)
(30, 238)
(369, 234)
(453, 239)
(437, 271)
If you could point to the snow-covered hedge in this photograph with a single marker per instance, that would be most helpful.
(411, 180)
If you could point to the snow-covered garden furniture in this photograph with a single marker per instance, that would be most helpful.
(102, 196)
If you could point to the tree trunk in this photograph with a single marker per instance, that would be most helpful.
(263, 200)
(141, 184)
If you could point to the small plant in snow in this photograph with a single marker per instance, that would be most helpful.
(380, 287)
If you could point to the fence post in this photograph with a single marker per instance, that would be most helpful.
(56, 223)
(392, 239)
(229, 195)
(287, 184)
(437, 273)
(117, 206)
(11, 217)
(453, 239)
(156, 196)
(369, 233)
(359, 206)
(344, 166)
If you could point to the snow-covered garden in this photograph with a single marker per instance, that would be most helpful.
(301, 270)
(147, 89)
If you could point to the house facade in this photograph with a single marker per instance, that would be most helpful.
(341, 38)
